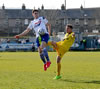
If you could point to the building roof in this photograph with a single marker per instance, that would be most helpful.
(18, 13)
(69, 13)
(80, 13)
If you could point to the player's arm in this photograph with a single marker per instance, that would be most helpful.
(26, 31)
(47, 24)
(23, 33)
(49, 28)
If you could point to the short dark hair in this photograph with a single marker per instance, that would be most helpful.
(34, 11)
(70, 26)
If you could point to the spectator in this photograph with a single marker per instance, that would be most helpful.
(84, 43)
(27, 40)
(8, 40)
(23, 41)
(99, 41)
(19, 41)
(33, 47)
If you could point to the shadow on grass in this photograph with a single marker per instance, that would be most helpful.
(81, 81)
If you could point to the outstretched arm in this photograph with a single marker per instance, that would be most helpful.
(23, 33)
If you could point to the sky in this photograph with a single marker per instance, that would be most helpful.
(49, 4)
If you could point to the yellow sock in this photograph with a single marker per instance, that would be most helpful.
(49, 43)
(58, 68)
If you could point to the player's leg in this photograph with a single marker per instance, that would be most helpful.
(58, 76)
(58, 65)
(41, 53)
(44, 40)
(43, 46)
(60, 53)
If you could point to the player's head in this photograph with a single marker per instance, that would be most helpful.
(69, 28)
(35, 13)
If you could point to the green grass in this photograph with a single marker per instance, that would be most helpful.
(24, 70)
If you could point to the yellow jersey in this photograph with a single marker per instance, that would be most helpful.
(64, 45)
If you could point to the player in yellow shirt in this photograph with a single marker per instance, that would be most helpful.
(62, 47)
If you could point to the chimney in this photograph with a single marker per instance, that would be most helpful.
(42, 7)
(62, 7)
(3, 7)
(23, 7)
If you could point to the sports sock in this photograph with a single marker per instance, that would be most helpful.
(42, 58)
(49, 43)
(58, 68)
(46, 54)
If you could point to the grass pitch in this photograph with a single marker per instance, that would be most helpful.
(24, 70)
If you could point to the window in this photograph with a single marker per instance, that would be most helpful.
(6, 22)
(86, 30)
(16, 30)
(17, 22)
(26, 22)
(97, 22)
(95, 31)
(56, 22)
(85, 22)
(76, 21)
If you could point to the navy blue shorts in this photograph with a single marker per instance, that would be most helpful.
(44, 38)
